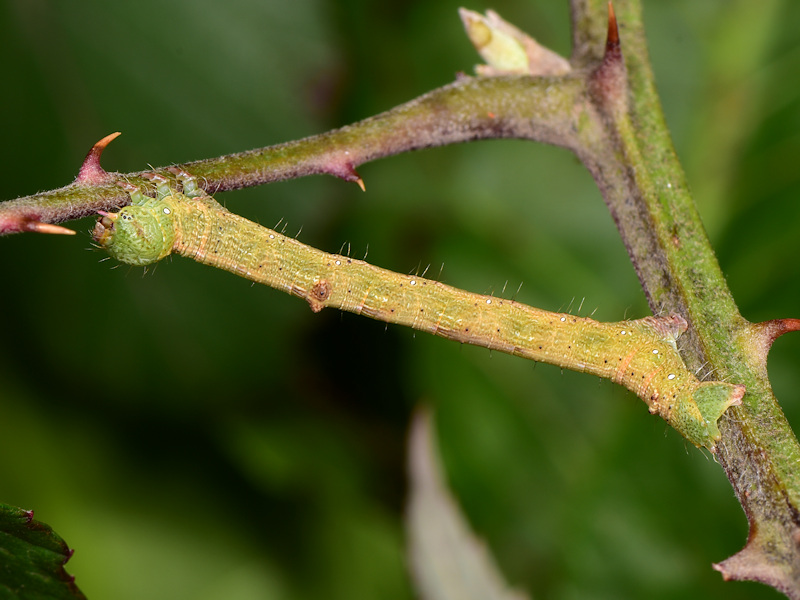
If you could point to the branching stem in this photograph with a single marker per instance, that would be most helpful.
(606, 110)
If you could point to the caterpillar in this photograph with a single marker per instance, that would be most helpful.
(638, 354)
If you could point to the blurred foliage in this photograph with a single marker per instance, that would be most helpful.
(193, 436)
(32, 558)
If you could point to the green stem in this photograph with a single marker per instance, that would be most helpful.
(646, 191)
(534, 108)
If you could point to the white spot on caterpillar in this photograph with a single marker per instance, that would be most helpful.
(272, 236)
(338, 262)
(413, 282)
(655, 351)
(563, 319)
(671, 376)
(167, 211)
(488, 301)
(623, 332)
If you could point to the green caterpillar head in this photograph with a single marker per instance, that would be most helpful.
(138, 234)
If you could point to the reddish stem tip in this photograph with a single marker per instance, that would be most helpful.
(91, 171)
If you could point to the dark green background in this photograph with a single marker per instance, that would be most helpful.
(193, 436)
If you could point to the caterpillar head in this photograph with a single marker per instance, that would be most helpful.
(138, 234)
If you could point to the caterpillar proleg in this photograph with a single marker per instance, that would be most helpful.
(638, 354)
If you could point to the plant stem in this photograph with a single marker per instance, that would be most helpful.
(606, 110)
(534, 108)
(646, 191)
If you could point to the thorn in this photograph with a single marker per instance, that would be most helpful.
(39, 227)
(91, 171)
(613, 53)
(608, 83)
(343, 168)
(612, 38)
(753, 563)
(770, 331)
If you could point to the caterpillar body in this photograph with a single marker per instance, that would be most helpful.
(638, 354)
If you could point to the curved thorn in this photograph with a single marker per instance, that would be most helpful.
(39, 227)
(772, 330)
(91, 171)
(360, 183)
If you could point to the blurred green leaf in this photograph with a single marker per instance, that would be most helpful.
(32, 559)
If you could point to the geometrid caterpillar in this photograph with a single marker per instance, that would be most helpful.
(639, 354)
